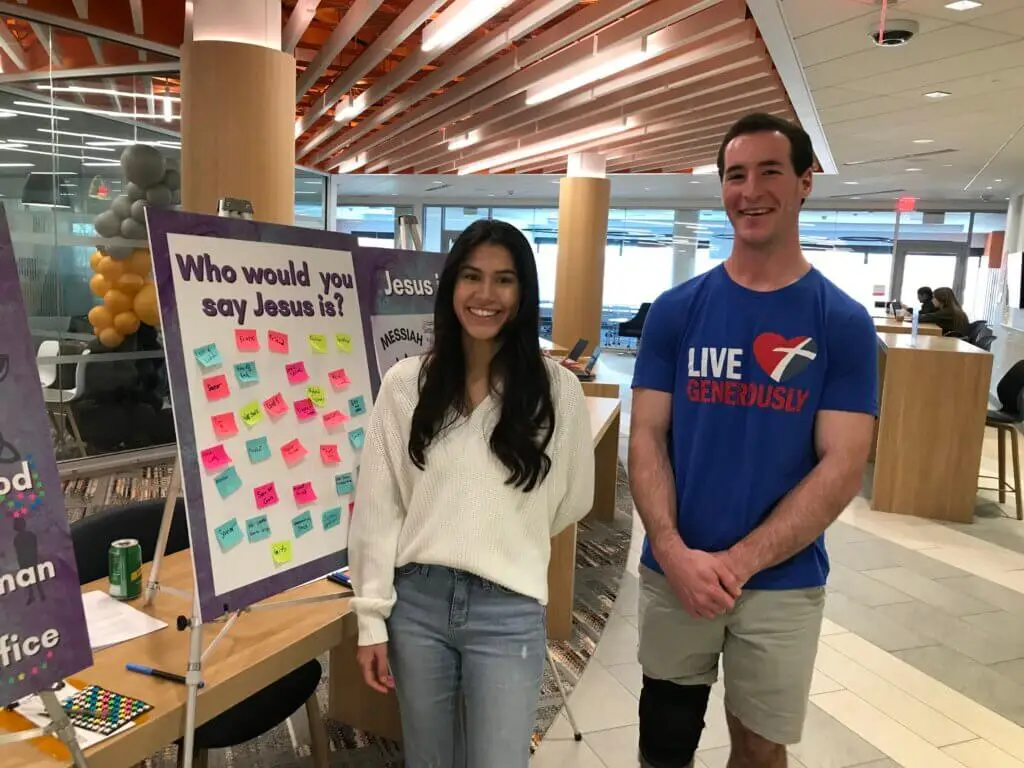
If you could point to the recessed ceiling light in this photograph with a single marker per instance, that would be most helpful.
(851, 182)
(855, 197)
(947, 165)
(695, 182)
(996, 181)
(924, 141)
(913, 170)
(988, 187)
(963, 5)
(938, 94)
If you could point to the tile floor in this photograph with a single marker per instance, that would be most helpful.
(920, 662)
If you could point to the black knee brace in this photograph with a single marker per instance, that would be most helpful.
(671, 722)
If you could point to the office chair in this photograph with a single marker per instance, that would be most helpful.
(634, 327)
(976, 330)
(985, 341)
(1010, 392)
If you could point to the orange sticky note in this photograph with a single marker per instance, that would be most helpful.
(293, 452)
(224, 424)
(277, 341)
(247, 340)
(216, 387)
(329, 453)
(334, 419)
(339, 378)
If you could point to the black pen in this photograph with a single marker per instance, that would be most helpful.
(158, 673)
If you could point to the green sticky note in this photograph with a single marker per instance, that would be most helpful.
(207, 355)
(229, 535)
(344, 483)
(343, 342)
(281, 552)
(257, 528)
(318, 343)
(246, 372)
(356, 438)
(331, 518)
(258, 449)
(317, 395)
(227, 482)
(357, 405)
(302, 524)
(251, 414)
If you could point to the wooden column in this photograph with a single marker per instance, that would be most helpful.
(238, 128)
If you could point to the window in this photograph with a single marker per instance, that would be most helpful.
(372, 225)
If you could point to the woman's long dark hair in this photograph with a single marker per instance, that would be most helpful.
(517, 372)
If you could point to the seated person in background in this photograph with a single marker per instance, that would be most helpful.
(925, 296)
(948, 315)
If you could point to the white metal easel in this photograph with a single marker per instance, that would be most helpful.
(60, 725)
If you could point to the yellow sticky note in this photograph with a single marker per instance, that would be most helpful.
(251, 414)
(344, 342)
(317, 395)
(318, 343)
(281, 551)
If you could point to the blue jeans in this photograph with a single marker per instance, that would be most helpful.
(467, 656)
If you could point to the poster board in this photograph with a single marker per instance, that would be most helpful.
(265, 512)
(43, 635)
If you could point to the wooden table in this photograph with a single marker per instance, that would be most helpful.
(260, 648)
(933, 400)
(555, 350)
(891, 325)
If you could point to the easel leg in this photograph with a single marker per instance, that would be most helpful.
(165, 531)
(193, 675)
(65, 730)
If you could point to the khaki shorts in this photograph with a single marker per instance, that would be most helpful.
(768, 643)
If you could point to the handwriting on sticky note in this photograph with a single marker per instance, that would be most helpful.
(265, 495)
(334, 419)
(207, 355)
(281, 551)
(302, 524)
(276, 405)
(247, 340)
(215, 457)
(304, 493)
(293, 452)
(329, 453)
(317, 395)
(229, 535)
(356, 438)
(258, 449)
(296, 372)
(344, 483)
(318, 343)
(227, 482)
(339, 378)
(331, 518)
(277, 341)
(251, 414)
(216, 387)
(357, 405)
(224, 424)
(246, 372)
(304, 409)
(257, 528)
(343, 342)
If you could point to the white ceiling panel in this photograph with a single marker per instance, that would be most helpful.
(806, 16)
(938, 10)
(1011, 22)
(853, 37)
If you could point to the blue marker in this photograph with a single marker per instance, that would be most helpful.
(159, 673)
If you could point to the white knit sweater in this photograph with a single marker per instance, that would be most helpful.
(458, 511)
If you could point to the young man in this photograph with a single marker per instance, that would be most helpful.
(753, 405)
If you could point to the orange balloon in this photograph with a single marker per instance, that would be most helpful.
(110, 269)
(130, 284)
(146, 307)
(126, 323)
(139, 263)
(110, 338)
(100, 317)
(95, 259)
(98, 285)
(116, 302)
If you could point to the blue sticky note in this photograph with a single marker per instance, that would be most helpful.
(356, 438)
(344, 483)
(258, 528)
(227, 482)
(331, 518)
(246, 372)
(357, 405)
(207, 355)
(258, 449)
(229, 535)
(302, 524)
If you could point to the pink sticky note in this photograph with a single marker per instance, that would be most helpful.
(339, 378)
(304, 493)
(296, 372)
(216, 387)
(275, 405)
(265, 495)
(293, 452)
(304, 409)
(215, 457)
(277, 341)
(247, 340)
(334, 419)
(329, 453)
(224, 424)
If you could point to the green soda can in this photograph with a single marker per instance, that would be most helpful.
(125, 569)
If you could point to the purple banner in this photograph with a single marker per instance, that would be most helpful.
(43, 635)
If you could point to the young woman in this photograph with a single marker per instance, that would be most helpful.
(948, 315)
(476, 455)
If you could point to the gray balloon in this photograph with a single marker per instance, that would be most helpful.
(142, 164)
(135, 192)
(172, 179)
(122, 207)
(119, 252)
(159, 196)
(139, 211)
(107, 224)
(132, 230)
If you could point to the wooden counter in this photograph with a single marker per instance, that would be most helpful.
(891, 325)
(933, 400)
(555, 350)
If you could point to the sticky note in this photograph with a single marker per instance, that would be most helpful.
(317, 395)
(356, 438)
(277, 341)
(258, 449)
(293, 452)
(339, 378)
(265, 495)
(304, 409)
(304, 493)
(227, 482)
(229, 535)
(296, 372)
(207, 355)
(318, 343)
(215, 457)
(281, 551)
(330, 518)
(357, 405)
(257, 528)
(246, 372)
(276, 405)
(302, 524)
(251, 414)
(216, 387)
(343, 342)
(344, 483)
(329, 453)
(224, 424)
(334, 419)
(247, 340)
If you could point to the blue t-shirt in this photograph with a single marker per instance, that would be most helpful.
(748, 372)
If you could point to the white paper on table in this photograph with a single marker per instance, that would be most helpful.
(111, 622)
(33, 710)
